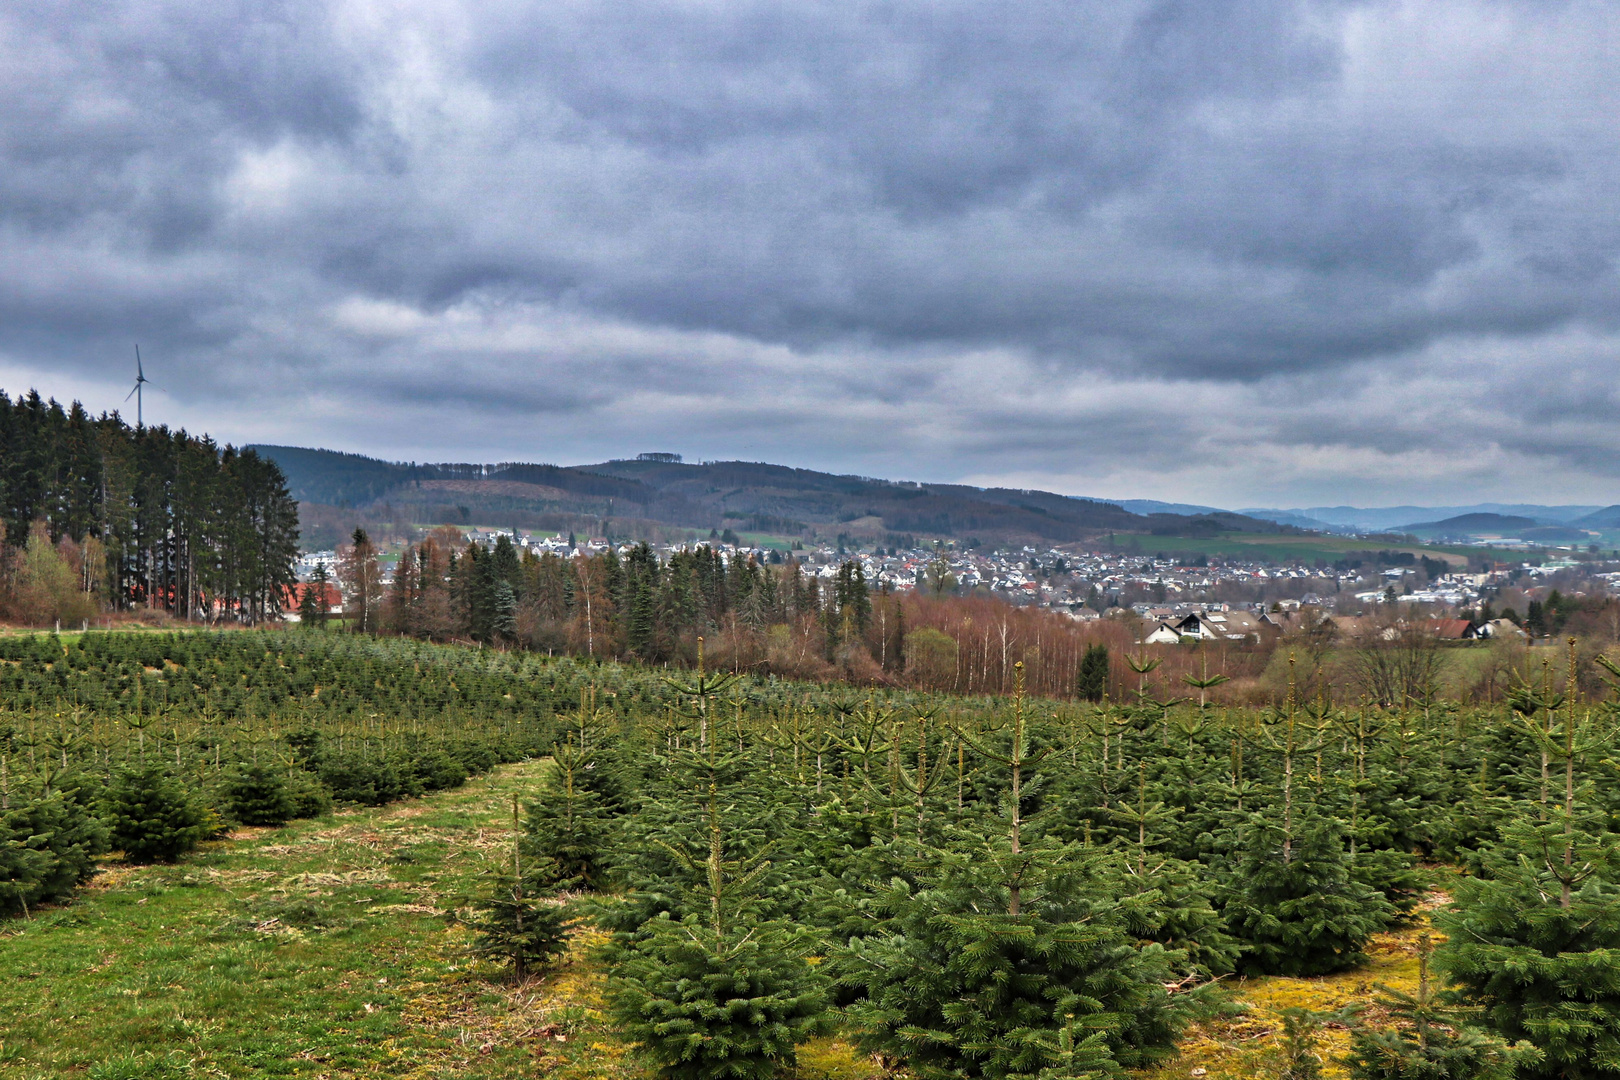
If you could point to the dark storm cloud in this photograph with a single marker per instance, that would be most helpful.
(1311, 243)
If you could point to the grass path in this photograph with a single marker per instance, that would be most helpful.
(322, 950)
(325, 950)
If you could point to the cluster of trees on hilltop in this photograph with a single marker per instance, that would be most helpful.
(96, 514)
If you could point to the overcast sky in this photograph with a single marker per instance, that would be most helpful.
(1261, 253)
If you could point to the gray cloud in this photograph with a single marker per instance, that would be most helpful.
(1261, 252)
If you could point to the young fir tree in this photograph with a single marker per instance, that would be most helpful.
(569, 833)
(1006, 960)
(257, 795)
(1167, 897)
(1536, 944)
(1298, 1054)
(1092, 682)
(1295, 905)
(1430, 1040)
(48, 844)
(516, 927)
(721, 992)
(151, 816)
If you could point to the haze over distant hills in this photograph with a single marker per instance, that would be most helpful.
(1408, 518)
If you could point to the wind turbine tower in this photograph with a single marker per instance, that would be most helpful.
(140, 381)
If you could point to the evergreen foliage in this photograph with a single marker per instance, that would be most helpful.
(257, 795)
(48, 843)
(1295, 905)
(151, 816)
(1005, 953)
(511, 927)
(176, 521)
(705, 1002)
(1092, 682)
(1535, 945)
(1430, 1040)
(1298, 1056)
(722, 991)
(569, 830)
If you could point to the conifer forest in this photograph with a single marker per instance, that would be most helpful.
(98, 514)
(732, 873)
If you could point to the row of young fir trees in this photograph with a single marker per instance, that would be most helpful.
(1023, 896)
(146, 743)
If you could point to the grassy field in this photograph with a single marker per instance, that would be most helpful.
(328, 949)
(1283, 548)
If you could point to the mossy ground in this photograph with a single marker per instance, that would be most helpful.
(327, 950)
(1244, 1046)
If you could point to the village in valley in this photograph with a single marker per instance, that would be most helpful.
(1163, 599)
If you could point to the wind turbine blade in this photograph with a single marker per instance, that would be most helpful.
(140, 373)
(131, 393)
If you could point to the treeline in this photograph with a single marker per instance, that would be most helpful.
(97, 514)
(764, 617)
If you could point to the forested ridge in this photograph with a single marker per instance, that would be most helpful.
(661, 499)
(96, 512)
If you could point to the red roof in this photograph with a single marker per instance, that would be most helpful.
(293, 595)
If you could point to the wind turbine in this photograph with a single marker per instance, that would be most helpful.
(140, 381)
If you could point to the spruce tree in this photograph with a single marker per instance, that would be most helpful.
(1295, 906)
(48, 844)
(320, 580)
(1092, 682)
(518, 928)
(568, 830)
(1297, 1055)
(307, 611)
(503, 612)
(1166, 897)
(514, 926)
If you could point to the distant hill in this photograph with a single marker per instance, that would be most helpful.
(747, 497)
(1385, 518)
(1471, 525)
(1296, 519)
(1153, 506)
(1502, 525)
(333, 478)
(1556, 534)
(1607, 518)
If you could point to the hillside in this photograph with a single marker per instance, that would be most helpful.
(1488, 525)
(642, 497)
(1472, 524)
(1607, 518)
(1400, 518)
